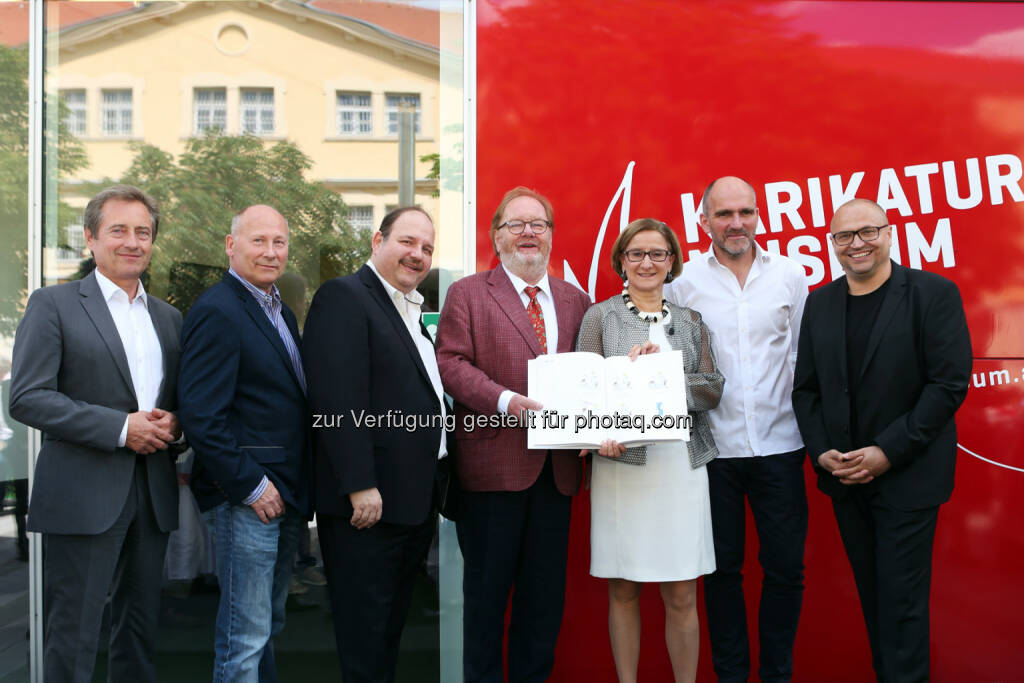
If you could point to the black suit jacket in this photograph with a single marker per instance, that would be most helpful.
(242, 407)
(361, 361)
(913, 379)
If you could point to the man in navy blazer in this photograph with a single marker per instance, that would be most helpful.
(883, 363)
(378, 418)
(243, 394)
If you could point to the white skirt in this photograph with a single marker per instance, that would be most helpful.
(651, 522)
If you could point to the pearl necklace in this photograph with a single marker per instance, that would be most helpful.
(646, 317)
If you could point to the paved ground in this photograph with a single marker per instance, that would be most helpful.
(305, 651)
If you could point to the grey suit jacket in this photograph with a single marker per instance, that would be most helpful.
(610, 329)
(70, 379)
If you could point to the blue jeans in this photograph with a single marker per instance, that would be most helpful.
(254, 567)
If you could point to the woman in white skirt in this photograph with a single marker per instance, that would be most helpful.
(650, 510)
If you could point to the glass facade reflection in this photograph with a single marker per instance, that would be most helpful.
(212, 107)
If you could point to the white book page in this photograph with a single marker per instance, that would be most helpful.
(566, 384)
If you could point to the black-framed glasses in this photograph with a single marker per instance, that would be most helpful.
(869, 233)
(516, 227)
(637, 255)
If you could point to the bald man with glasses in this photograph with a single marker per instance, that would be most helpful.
(883, 364)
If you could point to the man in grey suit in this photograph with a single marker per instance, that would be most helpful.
(95, 368)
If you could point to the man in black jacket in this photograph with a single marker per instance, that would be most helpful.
(883, 363)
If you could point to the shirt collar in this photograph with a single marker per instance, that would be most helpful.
(109, 289)
(265, 297)
(413, 297)
(520, 284)
(760, 254)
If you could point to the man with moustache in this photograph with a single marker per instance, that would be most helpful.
(514, 529)
(884, 362)
(244, 411)
(369, 358)
(95, 367)
(752, 301)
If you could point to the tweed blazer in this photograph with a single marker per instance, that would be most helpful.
(484, 340)
(611, 329)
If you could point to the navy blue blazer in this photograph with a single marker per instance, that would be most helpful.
(362, 364)
(240, 403)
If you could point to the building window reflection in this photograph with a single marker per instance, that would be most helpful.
(209, 109)
(117, 113)
(258, 111)
(355, 113)
(74, 118)
(393, 102)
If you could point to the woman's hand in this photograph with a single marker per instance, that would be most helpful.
(643, 349)
(611, 449)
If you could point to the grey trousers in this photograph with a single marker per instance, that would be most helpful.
(79, 571)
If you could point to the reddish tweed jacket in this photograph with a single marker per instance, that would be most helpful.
(484, 340)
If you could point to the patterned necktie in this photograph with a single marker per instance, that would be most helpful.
(537, 317)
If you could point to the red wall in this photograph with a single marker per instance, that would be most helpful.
(788, 94)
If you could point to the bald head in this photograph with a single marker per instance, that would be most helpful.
(861, 207)
(728, 183)
(258, 213)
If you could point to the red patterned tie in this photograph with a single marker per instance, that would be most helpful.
(537, 317)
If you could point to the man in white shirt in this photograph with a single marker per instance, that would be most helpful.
(752, 302)
(95, 366)
(379, 430)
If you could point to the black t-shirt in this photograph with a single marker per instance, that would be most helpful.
(861, 312)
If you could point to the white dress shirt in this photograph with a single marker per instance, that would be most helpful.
(547, 308)
(141, 345)
(754, 333)
(409, 307)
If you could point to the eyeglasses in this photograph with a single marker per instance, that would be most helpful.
(869, 233)
(637, 255)
(516, 227)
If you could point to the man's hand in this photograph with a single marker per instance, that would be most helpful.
(520, 404)
(367, 507)
(643, 349)
(167, 420)
(862, 465)
(269, 505)
(146, 436)
(831, 460)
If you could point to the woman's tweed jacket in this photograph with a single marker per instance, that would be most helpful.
(611, 329)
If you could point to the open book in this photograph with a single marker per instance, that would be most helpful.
(588, 398)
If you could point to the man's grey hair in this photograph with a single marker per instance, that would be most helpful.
(126, 193)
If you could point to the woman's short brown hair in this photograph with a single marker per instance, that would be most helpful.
(638, 226)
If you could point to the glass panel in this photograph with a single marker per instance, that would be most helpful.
(186, 82)
(14, 567)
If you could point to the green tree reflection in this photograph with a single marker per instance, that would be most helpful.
(217, 176)
(14, 181)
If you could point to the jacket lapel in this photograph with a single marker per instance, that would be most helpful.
(380, 296)
(563, 309)
(893, 297)
(837, 307)
(509, 302)
(96, 308)
(164, 333)
(255, 311)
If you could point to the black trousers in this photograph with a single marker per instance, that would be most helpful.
(370, 577)
(890, 552)
(513, 542)
(774, 486)
(127, 561)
